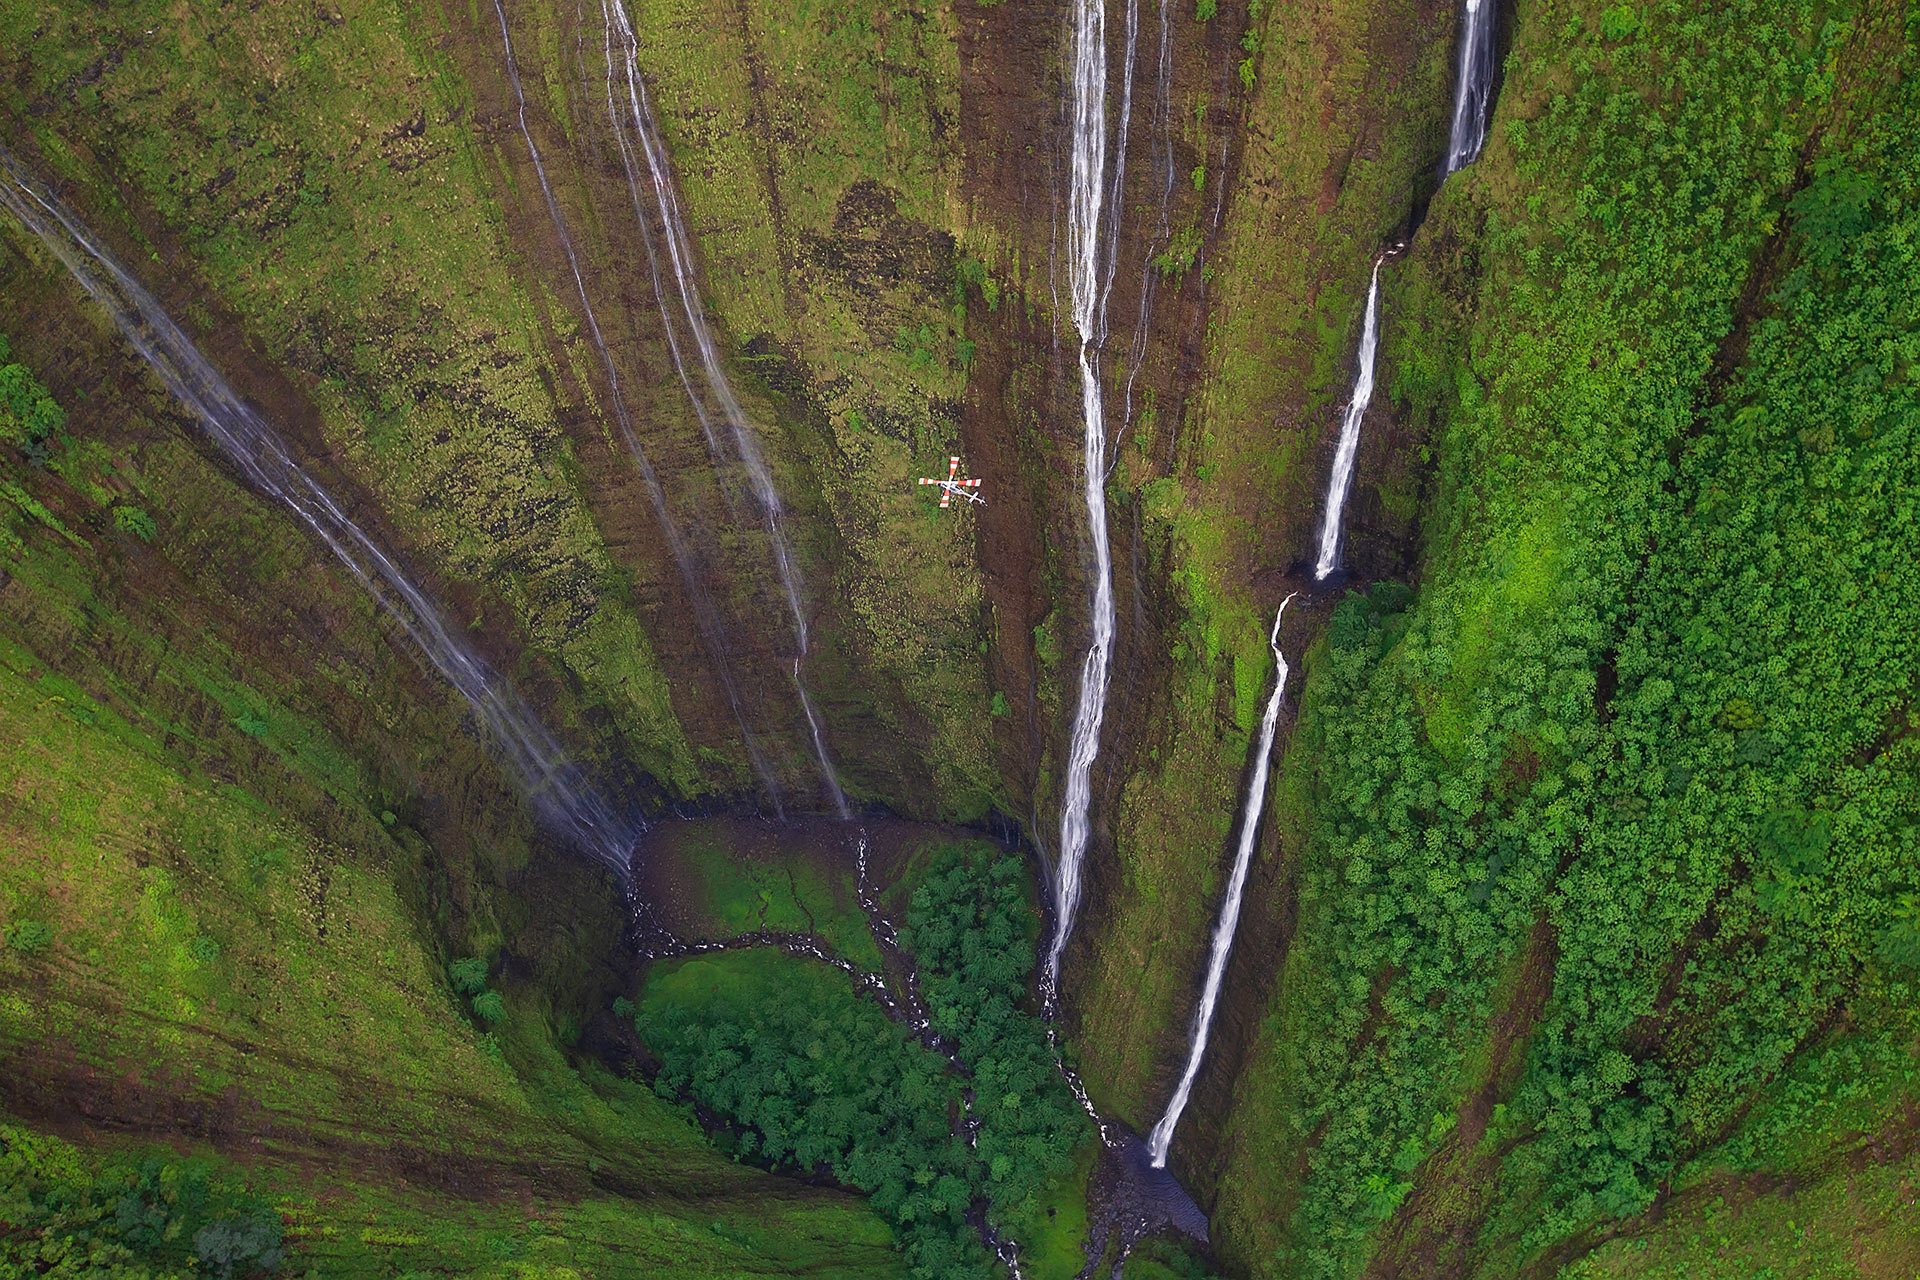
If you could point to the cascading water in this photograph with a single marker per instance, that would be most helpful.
(706, 617)
(1349, 445)
(630, 110)
(1084, 200)
(1161, 1139)
(1473, 95)
(562, 799)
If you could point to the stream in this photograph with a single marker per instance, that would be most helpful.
(1129, 1197)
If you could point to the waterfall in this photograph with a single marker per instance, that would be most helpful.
(1162, 1137)
(705, 616)
(1349, 445)
(630, 110)
(561, 798)
(1084, 199)
(1473, 95)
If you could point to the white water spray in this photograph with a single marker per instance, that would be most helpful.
(630, 109)
(706, 617)
(1349, 446)
(1161, 1139)
(1473, 95)
(560, 796)
(1084, 200)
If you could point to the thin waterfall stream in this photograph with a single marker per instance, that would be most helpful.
(1472, 107)
(1473, 92)
(706, 617)
(1349, 445)
(1085, 198)
(1161, 1139)
(564, 801)
(630, 111)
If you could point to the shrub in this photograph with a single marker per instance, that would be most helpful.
(30, 937)
(1182, 248)
(28, 415)
(135, 521)
(490, 1008)
(468, 975)
(1618, 22)
(240, 1245)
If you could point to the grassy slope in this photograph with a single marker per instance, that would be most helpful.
(221, 970)
(1846, 1226)
(238, 826)
(1410, 1102)
(713, 883)
(314, 169)
(252, 966)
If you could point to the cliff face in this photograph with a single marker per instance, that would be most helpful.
(1571, 502)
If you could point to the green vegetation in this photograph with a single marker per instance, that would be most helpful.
(972, 932)
(218, 888)
(1330, 151)
(840, 117)
(726, 880)
(1159, 1259)
(29, 418)
(136, 1215)
(1587, 920)
(819, 1078)
(29, 937)
(128, 1220)
(1177, 258)
(33, 432)
(1643, 735)
(1846, 1225)
(347, 222)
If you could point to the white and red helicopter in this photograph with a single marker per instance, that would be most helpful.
(952, 487)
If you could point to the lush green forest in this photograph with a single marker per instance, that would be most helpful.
(815, 1076)
(1579, 934)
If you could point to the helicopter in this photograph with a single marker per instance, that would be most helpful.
(952, 487)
